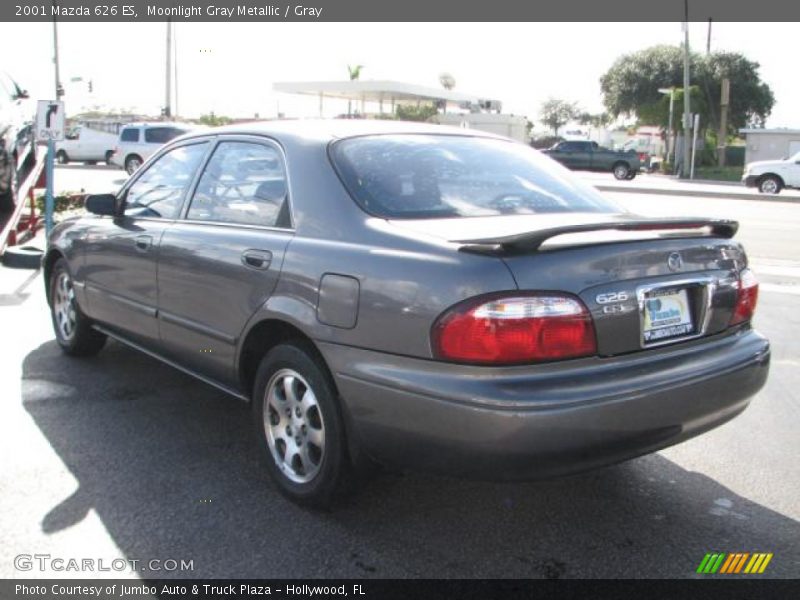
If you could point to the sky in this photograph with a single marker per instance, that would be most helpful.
(229, 68)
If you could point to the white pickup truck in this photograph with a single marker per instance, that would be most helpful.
(771, 176)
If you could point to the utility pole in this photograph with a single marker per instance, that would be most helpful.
(723, 120)
(59, 87)
(687, 107)
(168, 100)
(708, 40)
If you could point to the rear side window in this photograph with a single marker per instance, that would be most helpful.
(159, 191)
(244, 183)
(161, 135)
(129, 134)
(441, 176)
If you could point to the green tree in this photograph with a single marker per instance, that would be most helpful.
(630, 87)
(556, 113)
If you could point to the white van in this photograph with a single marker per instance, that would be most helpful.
(85, 144)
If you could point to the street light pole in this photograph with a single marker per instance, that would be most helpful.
(687, 108)
(59, 88)
(667, 139)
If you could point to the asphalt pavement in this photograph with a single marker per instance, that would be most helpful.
(119, 456)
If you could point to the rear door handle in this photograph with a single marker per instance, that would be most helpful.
(143, 242)
(257, 259)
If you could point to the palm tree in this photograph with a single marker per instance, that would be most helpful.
(355, 72)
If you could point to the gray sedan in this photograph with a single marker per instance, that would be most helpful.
(414, 296)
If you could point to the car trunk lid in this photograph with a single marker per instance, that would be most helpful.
(646, 282)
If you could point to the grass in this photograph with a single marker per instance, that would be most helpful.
(719, 173)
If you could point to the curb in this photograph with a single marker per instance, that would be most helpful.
(698, 193)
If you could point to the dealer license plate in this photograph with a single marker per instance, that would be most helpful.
(667, 315)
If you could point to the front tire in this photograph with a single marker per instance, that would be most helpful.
(62, 158)
(109, 154)
(299, 425)
(73, 329)
(770, 185)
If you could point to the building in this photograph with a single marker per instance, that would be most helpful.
(770, 144)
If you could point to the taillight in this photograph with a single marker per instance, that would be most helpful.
(746, 298)
(515, 329)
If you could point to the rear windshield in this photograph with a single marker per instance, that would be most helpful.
(441, 176)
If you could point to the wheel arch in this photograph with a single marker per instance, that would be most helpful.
(47, 266)
(763, 176)
(260, 339)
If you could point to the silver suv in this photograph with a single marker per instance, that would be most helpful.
(138, 141)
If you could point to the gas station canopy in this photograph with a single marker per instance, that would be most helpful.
(392, 92)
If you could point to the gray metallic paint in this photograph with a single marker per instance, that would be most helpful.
(399, 403)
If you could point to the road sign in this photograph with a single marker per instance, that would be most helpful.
(50, 120)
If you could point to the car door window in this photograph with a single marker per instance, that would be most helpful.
(129, 135)
(245, 183)
(159, 191)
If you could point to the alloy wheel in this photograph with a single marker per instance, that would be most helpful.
(293, 425)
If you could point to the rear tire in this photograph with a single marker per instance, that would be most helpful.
(62, 158)
(770, 184)
(621, 170)
(73, 329)
(299, 426)
(132, 163)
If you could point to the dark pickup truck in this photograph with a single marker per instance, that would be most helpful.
(589, 156)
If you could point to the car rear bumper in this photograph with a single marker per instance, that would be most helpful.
(529, 422)
(750, 180)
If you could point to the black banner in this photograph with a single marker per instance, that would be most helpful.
(739, 588)
(393, 10)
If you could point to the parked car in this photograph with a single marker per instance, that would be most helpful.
(589, 156)
(17, 114)
(85, 144)
(138, 141)
(413, 295)
(771, 176)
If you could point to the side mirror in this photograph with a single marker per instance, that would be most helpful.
(102, 204)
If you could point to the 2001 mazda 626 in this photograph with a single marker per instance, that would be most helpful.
(413, 295)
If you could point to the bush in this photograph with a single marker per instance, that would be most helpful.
(63, 202)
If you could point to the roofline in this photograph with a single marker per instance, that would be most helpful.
(771, 131)
(356, 89)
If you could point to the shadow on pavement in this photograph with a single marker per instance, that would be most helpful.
(168, 464)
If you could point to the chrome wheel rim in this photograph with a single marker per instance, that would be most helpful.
(293, 425)
(769, 186)
(133, 165)
(64, 307)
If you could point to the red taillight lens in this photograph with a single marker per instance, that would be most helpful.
(514, 330)
(746, 298)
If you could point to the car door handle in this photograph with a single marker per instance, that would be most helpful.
(143, 242)
(257, 259)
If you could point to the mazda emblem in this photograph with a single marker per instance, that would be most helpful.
(675, 261)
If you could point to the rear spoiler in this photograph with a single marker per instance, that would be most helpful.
(531, 241)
